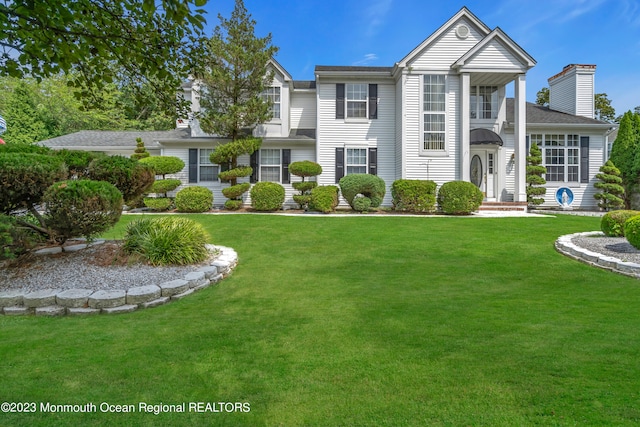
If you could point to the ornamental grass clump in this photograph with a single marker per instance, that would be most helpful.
(167, 241)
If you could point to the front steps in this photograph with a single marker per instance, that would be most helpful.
(504, 206)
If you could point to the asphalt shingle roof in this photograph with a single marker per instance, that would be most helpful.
(105, 138)
(537, 114)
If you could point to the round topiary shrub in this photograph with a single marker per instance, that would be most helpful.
(267, 196)
(236, 191)
(612, 223)
(163, 165)
(158, 204)
(459, 198)
(361, 203)
(194, 199)
(324, 198)
(632, 231)
(166, 241)
(305, 168)
(370, 186)
(83, 207)
(163, 186)
(413, 195)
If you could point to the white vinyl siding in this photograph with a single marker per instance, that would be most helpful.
(303, 110)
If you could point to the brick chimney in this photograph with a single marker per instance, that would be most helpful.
(572, 90)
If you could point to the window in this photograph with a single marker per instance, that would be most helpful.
(484, 102)
(561, 156)
(272, 96)
(270, 165)
(357, 101)
(434, 135)
(207, 171)
(356, 160)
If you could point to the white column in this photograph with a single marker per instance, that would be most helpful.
(465, 124)
(520, 132)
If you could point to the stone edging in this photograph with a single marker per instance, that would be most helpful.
(565, 246)
(77, 302)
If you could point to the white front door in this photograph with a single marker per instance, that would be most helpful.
(483, 171)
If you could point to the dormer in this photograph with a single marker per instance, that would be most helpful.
(278, 94)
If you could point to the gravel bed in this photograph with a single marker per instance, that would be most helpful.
(617, 247)
(90, 268)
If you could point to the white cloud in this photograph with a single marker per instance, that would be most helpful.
(368, 58)
(376, 15)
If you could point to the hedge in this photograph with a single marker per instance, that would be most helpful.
(414, 195)
(324, 198)
(612, 223)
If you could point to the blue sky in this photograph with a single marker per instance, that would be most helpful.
(381, 32)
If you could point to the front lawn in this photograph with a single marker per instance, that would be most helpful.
(355, 321)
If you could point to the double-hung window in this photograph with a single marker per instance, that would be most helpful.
(560, 155)
(270, 165)
(434, 113)
(357, 100)
(356, 161)
(484, 102)
(207, 171)
(272, 96)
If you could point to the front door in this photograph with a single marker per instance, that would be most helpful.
(483, 171)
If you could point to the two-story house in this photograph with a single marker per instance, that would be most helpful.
(439, 113)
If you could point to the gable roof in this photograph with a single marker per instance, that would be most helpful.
(280, 69)
(481, 27)
(106, 139)
(505, 41)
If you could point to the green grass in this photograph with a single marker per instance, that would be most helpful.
(356, 321)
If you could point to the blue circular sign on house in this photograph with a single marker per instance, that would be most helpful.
(564, 196)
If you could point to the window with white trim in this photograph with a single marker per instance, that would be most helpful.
(272, 96)
(356, 98)
(207, 171)
(484, 102)
(356, 160)
(270, 165)
(560, 155)
(434, 113)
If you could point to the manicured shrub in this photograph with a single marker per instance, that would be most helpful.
(236, 191)
(24, 177)
(24, 149)
(163, 186)
(267, 196)
(140, 152)
(535, 179)
(412, 195)
(632, 231)
(612, 223)
(304, 169)
(239, 172)
(227, 154)
(194, 199)
(233, 205)
(129, 176)
(167, 241)
(163, 165)
(611, 194)
(158, 204)
(83, 207)
(361, 203)
(370, 186)
(324, 198)
(459, 198)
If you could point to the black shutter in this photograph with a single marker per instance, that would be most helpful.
(255, 164)
(584, 159)
(339, 164)
(373, 101)
(339, 100)
(193, 165)
(286, 159)
(373, 161)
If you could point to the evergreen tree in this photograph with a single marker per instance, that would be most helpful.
(24, 125)
(612, 192)
(236, 76)
(535, 180)
(624, 153)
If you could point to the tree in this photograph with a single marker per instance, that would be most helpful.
(140, 152)
(602, 105)
(611, 191)
(535, 180)
(102, 41)
(24, 125)
(234, 76)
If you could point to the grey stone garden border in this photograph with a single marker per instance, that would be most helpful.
(565, 246)
(82, 302)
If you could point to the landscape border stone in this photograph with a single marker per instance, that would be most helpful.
(565, 246)
(85, 302)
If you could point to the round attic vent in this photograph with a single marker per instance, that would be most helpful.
(462, 31)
